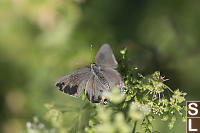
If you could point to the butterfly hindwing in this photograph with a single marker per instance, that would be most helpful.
(101, 83)
(113, 77)
(94, 89)
(74, 83)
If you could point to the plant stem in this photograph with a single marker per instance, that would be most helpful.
(134, 128)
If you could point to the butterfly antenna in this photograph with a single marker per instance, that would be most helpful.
(91, 53)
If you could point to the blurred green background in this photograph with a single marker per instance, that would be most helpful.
(42, 40)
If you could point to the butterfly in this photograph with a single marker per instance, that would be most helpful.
(97, 80)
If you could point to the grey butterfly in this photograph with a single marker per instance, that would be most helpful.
(99, 79)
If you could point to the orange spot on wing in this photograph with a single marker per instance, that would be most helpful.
(91, 65)
(118, 86)
(103, 99)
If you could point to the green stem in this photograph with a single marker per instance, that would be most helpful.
(134, 128)
(169, 89)
(147, 93)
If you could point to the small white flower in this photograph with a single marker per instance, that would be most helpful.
(28, 124)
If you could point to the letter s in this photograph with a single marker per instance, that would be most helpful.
(193, 108)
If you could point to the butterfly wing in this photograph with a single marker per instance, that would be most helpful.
(74, 83)
(112, 77)
(105, 57)
(94, 89)
(104, 82)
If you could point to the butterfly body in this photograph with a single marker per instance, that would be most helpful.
(96, 70)
(100, 78)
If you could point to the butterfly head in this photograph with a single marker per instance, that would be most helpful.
(92, 65)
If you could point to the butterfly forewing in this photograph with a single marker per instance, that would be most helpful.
(105, 57)
(74, 83)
